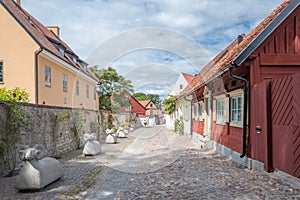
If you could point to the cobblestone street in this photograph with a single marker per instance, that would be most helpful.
(155, 163)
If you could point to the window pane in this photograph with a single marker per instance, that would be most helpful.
(65, 83)
(87, 90)
(47, 76)
(77, 87)
(1, 72)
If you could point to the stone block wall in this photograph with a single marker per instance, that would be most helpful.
(56, 136)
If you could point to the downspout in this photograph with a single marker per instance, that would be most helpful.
(191, 116)
(244, 137)
(37, 75)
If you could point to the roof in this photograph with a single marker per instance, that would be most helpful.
(238, 52)
(45, 38)
(136, 106)
(209, 69)
(188, 77)
(144, 103)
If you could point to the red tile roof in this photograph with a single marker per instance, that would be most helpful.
(225, 57)
(42, 36)
(188, 77)
(136, 106)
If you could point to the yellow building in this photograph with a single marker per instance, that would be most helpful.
(151, 109)
(33, 57)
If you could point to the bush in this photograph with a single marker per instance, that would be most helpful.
(179, 126)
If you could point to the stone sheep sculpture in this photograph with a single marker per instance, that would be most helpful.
(39, 170)
(91, 147)
(122, 133)
(111, 137)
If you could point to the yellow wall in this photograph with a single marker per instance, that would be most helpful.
(17, 51)
(54, 95)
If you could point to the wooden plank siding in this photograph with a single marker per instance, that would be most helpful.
(198, 127)
(286, 124)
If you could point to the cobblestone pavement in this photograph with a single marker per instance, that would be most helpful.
(154, 163)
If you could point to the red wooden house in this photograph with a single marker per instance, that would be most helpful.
(136, 108)
(250, 95)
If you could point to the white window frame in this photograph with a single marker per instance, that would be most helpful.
(195, 111)
(220, 111)
(225, 118)
(234, 95)
(65, 82)
(47, 76)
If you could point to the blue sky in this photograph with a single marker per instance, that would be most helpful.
(158, 39)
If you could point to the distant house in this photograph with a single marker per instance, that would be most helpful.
(135, 108)
(35, 58)
(250, 95)
(182, 81)
(152, 111)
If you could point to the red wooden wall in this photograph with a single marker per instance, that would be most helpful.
(279, 54)
(198, 127)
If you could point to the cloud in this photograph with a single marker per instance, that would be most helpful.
(187, 33)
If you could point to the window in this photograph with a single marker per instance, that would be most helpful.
(195, 111)
(65, 100)
(186, 113)
(61, 51)
(180, 86)
(65, 82)
(95, 93)
(1, 72)
(77, 87)
(220, 110)
(200, 112)
(236, 109)
(47, 76)
(87, 91)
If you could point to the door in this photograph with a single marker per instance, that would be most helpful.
(208, 119)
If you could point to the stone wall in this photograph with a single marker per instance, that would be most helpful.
(56, 135)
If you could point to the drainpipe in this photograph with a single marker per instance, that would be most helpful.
(244, 150)
(37, 75)
(191, 116)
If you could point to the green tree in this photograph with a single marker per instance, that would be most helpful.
(153, 97)
(140, 96)
(114, 89)
(169, 104)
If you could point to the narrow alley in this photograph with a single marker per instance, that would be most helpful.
(155, 163)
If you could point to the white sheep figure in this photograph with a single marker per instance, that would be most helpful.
(122, 132)
(91, 147)
(38, 170)
(111, 137)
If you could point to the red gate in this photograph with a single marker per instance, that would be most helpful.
(275, 124)
(285, 110)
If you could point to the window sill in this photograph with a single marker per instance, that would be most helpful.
(236, 124)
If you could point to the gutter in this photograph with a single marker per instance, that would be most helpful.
(244, 136)
(191, 116)
(37, 75)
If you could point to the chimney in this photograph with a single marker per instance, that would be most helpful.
(54, 29)
(240, 38)
(18, 2)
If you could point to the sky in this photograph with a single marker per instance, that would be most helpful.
(150, 42)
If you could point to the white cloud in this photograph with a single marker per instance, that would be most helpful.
(88, 24)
